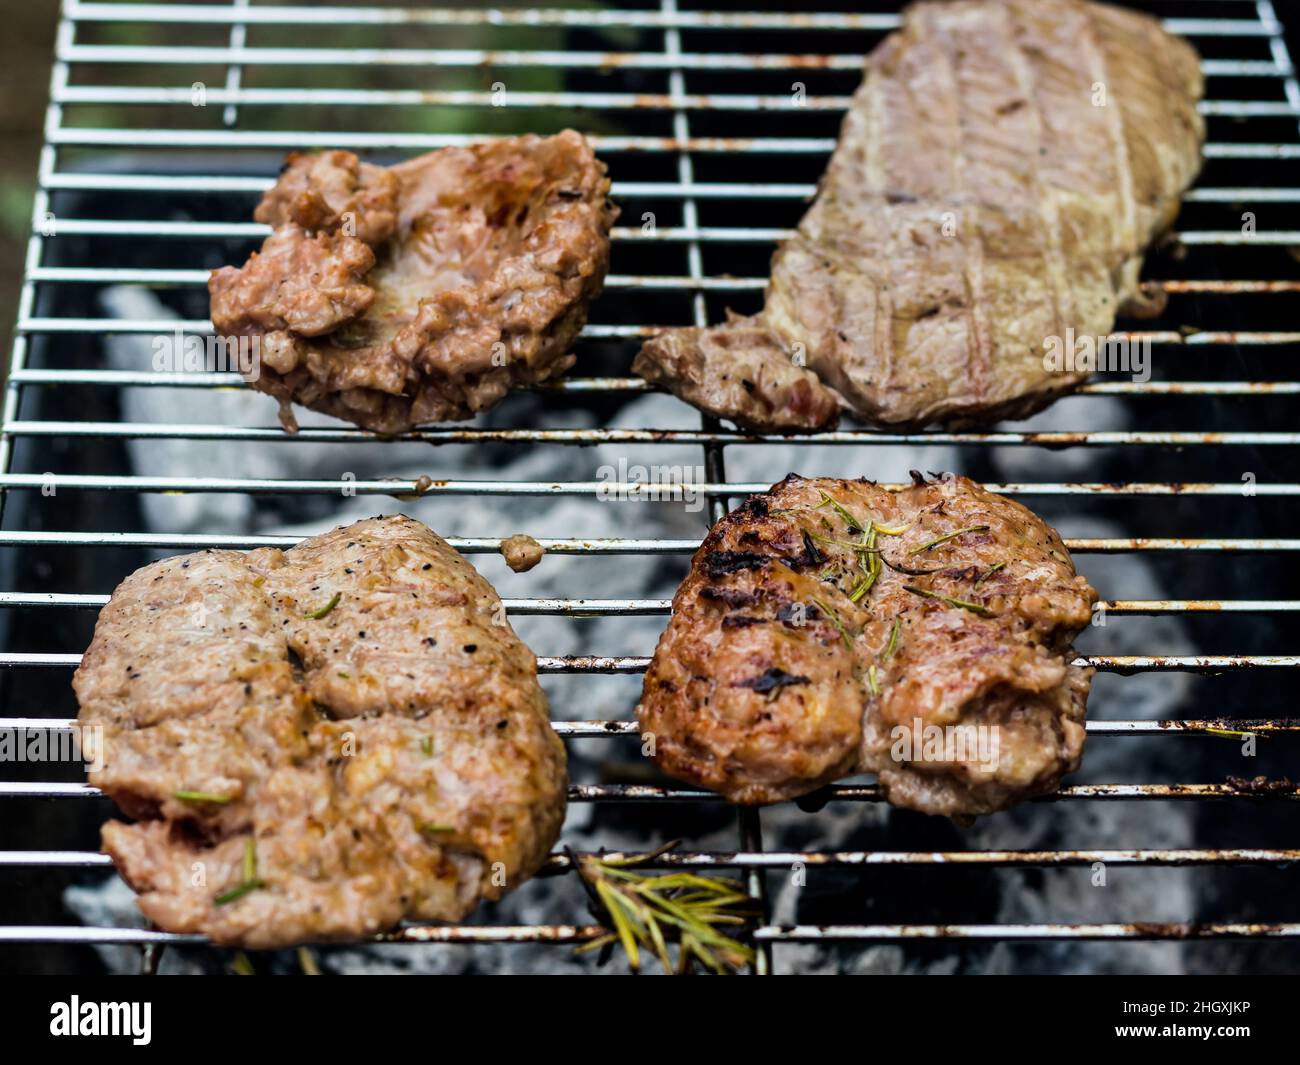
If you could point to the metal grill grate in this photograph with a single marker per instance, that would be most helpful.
(655, 72)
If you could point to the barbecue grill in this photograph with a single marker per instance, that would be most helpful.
(716, 125)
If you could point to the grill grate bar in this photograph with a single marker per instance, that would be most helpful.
(662, 19)
(399, 488)
(170, 327)
(561, 863)
(596, 101)
(610, 546)
(569, 935)
(68, 52)
(163, 379)
(610, 608)
(226, 183)
(660, 235)
(1122, 664)
(835, 793)
(86, 136)
(609, 729)
(587, 437)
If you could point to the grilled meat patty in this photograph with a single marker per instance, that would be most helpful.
(827, 626)
(425, 291)
(321, 742)
(1000, 173)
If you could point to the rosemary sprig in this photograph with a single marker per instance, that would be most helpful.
(316, 615)
(835, 620)
(251, 882)
(892, 646)
(904, 570)
(893, 530)
(839, 508)
(647, 912)
(201, 796)
(250, 860)
(944, 539)
(964, 604)
(870, 562)
(1229, 733)
(852, 545)
(992, 570)
(238, 892)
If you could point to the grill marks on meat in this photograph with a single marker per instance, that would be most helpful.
(425, 291)
(982, 199)
(355, 710)
(788, 702)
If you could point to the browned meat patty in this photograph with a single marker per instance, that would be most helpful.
(321, 742)
(832, 627)
(1000, 173)
(425, 291)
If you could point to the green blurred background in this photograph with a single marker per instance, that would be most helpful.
(26, 46)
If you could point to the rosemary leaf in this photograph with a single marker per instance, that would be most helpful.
(974, 608)
(872, 682)
(992, 570)
(238, 892)
(316, 615)
(892, 646)
(613, 906)
(892, 530)
(835, 620)
(435, 830)
(200, 796)
(1230, 733)
(951, 536)
(840, 509)
(852, 545)
(648, 912)
(870, 563)
(599, 943)
(250, 860)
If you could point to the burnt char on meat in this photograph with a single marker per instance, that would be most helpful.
(425, 291)
(781, 675)
(999, 175)
(339, 737)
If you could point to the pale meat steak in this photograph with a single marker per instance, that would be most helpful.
(425, 291)
(999, 176)
(322, 742)
(833, 627)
